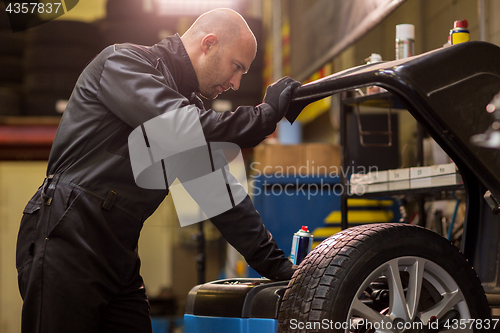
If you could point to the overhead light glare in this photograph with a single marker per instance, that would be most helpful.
(193, 7)
(490, 138)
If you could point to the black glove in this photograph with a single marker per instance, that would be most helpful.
(279, 94)
(295, 108)
(285, 272)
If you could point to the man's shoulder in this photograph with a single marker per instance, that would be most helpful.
(143, 52)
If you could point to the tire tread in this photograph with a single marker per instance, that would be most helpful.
(317, 279)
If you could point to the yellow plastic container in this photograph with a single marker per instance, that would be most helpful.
(459, 33)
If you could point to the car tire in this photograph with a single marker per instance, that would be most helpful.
(12, 44)
(132, 31)
(4, 19)
(124, 9)
(50, 81)
(64, 33)
(11, 69)
(71, 57)
(10, 101)
(49, 104)
(352, 280)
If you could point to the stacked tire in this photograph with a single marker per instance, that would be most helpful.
(11, 67)
(126, 22)
(56, 53)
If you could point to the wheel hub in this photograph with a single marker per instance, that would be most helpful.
(410, 289)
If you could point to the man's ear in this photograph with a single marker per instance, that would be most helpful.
(208, 42)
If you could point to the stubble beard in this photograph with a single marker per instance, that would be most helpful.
(209, 77)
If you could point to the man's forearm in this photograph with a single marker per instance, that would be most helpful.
(242, 227)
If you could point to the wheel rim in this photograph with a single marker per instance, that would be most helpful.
(407, 280)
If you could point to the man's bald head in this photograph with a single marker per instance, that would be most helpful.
(221, 48)
(229, 27)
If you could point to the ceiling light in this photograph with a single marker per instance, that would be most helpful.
(193, 7)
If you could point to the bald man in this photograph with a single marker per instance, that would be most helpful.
(77, 255)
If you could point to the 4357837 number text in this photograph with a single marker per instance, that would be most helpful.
(32, 7)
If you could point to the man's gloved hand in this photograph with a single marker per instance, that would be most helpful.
(284, 272)
(279, 94)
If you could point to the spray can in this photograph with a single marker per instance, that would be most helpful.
(459, 33)
(405, 41)
(301, 245)
(375, 57)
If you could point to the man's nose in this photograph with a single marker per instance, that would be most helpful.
(235, 81)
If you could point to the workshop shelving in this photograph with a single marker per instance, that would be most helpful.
(350, 103)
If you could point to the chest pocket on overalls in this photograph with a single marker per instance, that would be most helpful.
(119, 142)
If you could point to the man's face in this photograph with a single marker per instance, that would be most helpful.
(223, 68)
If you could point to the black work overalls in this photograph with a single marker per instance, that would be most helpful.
(77, 247)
